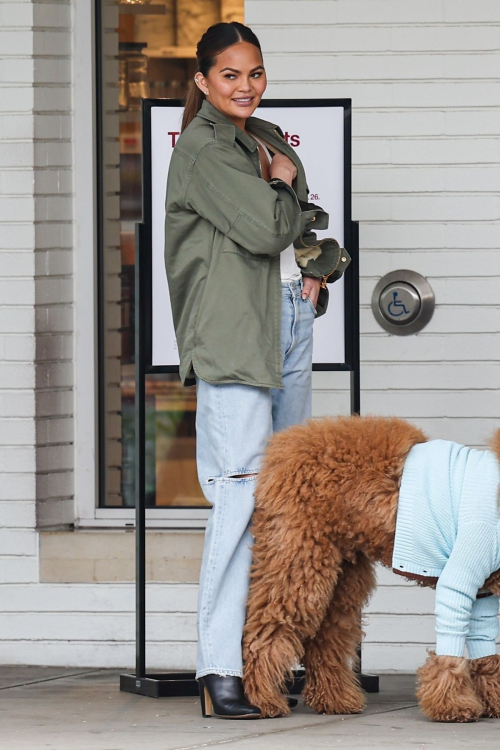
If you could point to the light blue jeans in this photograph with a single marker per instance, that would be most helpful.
(233, 424)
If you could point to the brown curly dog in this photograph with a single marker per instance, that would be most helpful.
(326, 506)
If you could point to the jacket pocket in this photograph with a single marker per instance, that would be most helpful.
(236, 249)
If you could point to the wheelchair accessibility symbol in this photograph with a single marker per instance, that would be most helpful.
(399, 303)
(403, 302)
(397, 308)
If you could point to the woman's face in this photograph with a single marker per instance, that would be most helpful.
(236, 83)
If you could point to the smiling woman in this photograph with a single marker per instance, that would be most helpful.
(235, 82)
(243, 310)
(230, 89)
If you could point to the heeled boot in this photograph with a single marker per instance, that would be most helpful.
(224, 697)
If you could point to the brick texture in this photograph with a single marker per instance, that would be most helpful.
(36, 367)
(112, 264)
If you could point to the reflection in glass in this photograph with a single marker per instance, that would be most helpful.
(171, 478)
(147, 50)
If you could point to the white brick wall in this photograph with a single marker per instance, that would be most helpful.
(94, 625)
(35, 279)
(18, 560)
(423, 78)
(53, 191)
(113, 286)
(53, 188)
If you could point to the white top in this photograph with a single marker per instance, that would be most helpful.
(288, 265)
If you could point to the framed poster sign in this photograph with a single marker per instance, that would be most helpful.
(305, 124)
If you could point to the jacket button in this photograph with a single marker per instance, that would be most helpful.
(313, 218)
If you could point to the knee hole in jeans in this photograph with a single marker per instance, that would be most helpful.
(231, 475)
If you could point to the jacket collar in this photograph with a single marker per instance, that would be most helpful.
(212, 114)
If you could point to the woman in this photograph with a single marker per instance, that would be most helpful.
(243, 312)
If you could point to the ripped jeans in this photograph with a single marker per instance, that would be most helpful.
(233, 424)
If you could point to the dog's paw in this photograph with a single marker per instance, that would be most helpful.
(485, 675)
(269, 699)
(468, 711)
(346, 699)
(272, 709)
(445, 690)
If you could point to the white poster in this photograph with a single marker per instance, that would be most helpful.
(304, 129)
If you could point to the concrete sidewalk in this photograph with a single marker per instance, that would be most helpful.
(71, 709)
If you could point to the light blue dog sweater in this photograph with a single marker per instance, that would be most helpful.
(448, 527)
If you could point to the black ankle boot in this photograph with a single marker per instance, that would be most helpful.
(224, 697)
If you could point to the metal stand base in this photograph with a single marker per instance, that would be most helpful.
(172, 684)
(369, 683)
(165, 685)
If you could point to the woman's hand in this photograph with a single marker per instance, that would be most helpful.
(310, 288)
(283, 168)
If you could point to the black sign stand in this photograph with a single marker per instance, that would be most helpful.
(153, 685)
(157, 685)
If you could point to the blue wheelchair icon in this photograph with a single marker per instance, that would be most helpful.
(397, 308)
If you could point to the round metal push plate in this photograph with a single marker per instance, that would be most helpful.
(403, 302)
(399, 303)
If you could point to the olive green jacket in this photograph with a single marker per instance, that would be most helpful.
(224, 232)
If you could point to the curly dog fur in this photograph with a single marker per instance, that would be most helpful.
(326, 506)
(485, 675)
(445, 690)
